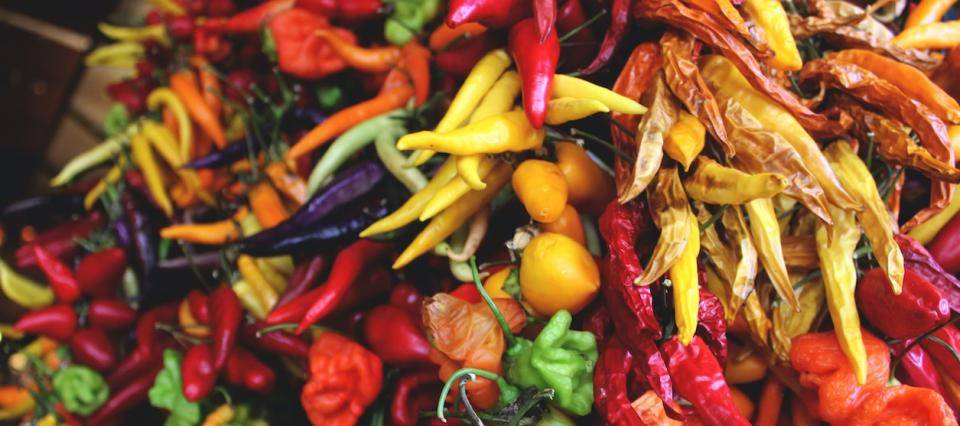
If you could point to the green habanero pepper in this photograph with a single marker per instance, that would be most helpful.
(81, 389)
(408, 19)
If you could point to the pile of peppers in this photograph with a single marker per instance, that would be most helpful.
(501, 212)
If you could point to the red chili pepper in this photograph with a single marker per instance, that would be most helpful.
(99, 274)
(69, 418)
(374, 283)
(146, 330)
(610, 385)
(199, 306)
(300, 52)
(131, 395)
(619, 18)
(278, 342)
(134, 365)
(468, 292)
(945, 247)
(294, 310)
(916, 368)
(536, 63)
(110, 315)
(403, 411)
(250, 20)
(198, 373)
(348, 265)
(245, 370)
(458, 60)
(396, 335)
(545, 12)
(489, 13)
(405, 295)
(699, 379)
(583, 42)
(225, 315)
(941, 353)
(352, 11)
(60, 276)
(304, 276)
(916, 310)
(57, 322)
(916, 257)
(712, 325)
(92, 347)
(220, 7)
(60, 241)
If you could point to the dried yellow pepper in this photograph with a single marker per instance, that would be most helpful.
(788, 323)
(766, 235)
(510, 131)
(414, 205)
(713, 183)
(651, 132)
(770, 16)
(683, 276)
(670, 210)
(686, 139)
(757, 320)
(748, 265)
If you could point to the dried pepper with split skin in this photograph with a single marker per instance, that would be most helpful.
(653, 128)
(714, 183)
(670, 208)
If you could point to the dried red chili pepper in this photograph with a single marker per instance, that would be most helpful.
(60, 277)
(610, 385)
(917, 309)
(110, 314)
(403, 411)
(60, 241)
(198, 372)
(619, 19)
(710, 318)
(92, 347)
(278, 341)
(490, 13)
(536, 62)
(246, 370)
(699, 379)
(99, 274)
(225, 315)
(396, 335)
(57, 322)
(917, 258)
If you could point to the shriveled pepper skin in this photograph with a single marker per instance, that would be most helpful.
(344, 379)
(699, 379)
(916, 310)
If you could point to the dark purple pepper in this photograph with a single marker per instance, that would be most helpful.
(343, 231)
(233, 152)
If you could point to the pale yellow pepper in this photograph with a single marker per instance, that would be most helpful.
(143, 157)
(411, 209)
(686, 289)
(565, 86)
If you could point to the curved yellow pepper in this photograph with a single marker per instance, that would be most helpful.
(156, 32)
(686, 289)
(498, 100)
(414, 205)
(94, 156)
(713, 183)
(505, 132)
(111, 177)
(562, 110)
(765, 231)
(454, 189)
(166, 97)
(770, 16)
(166, 145)
(565, 86)
(259, 285)
(22, 290)
(144, 159)
(116, 55)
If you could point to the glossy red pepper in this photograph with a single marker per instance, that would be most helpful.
(198, 373)
(60, 241)
(610, 385)
(304, 276)
(405, 295)
(583, 43)
(403, 408)
(916, 257)
(536, 63)
(300, 52)
(110, 315)
(57, 322)
(99, 274)
(916, 368)
(199, 306)
(619, 19)
(148, 338)
(60, 277)
(945, 247)
(249, 21)
(458, 60)
(68, 418)
(131, 395)
(917, 309)
(699, 379)
(225, 315)
(245, 370)
(545, 12)
(136, 364)
(278, 342)
(490, 13)
(941, 353)
(396, 335)
(92, 347)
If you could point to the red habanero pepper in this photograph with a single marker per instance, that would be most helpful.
(917, 258)
(917, 368)
(536, 62)
(345, 379)
(250, 20)
(460, 59)
(610, 385)
(92, 347)
(225, 315)
(396, 335)
(60, 241)
(699, 379)
(199, 306)
(489, 13)
(945, 247)
(278, 341)
(57, 322)
(245, 370)
(405, 295)
(60, 276)
(545, 13)
(304, 276)
(402, 410)
(347, 266)
(569, 18)
(300, 52)
(99, 274)
(943, 355)
(917, 309)
(131, 395)
(110, 315)
(198, 373)
(620, 16)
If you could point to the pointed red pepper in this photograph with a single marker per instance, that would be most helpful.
(396, 336)
(489, 13)
(545, 12)
(198, 373)
(60, 276)
(60, 240)
(536, 63)
(699, 379)
(249, 21)
(199, 306)
(110, 315)
(57, 322)
(225, 315)
(246, 370)
(92, 347)
(620, 18)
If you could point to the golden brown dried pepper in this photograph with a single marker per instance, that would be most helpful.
(670, 211)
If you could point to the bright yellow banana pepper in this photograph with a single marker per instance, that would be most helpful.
(454, 189)
(165, 97)
(505, 132)
(686, 289)
(565, 86)
(22, 290)
(713, 183)
(685, 139)
(498, 100)
(562, 110)
(124, 54)
(411, 209)
(765, 231)
(770, 16)
(143, 157)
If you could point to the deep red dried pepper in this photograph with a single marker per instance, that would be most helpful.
(246, 370)
(199, 306)
(60, 241)
(99, 274)
(610, 385)
(916, 368)
(225, 315)
(300, 52)
(57, 322)
(110, 315)
(633, 81)
(60, 277)
(917, 258)
(405, 295)
(917, 309)
(619, 19)
(545, 13)
(712, 326)
(699, 379)
(403, 411)
(536, 62)
(198, 373)
(396, 335)
(92, 347)
(304, 276)
(131, 395)
(489, 13)
(278, 342)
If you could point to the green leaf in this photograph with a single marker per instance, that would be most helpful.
(166, 393)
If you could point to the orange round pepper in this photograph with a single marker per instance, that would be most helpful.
(557, 273)
(541, 187)
(568, 224)
(589, 188)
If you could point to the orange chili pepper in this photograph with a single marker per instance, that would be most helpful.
(201, 145)
(28, 233)
(371, 59)
(567, 224)
(267, 205)
(188, 323)
(170, 121)
(289, 184)
(209, 83)
(416, 62)
(444, 35)
(928, 11)
(214, 233)
(184, 85)
(348, 117)
(182, 195)
(771, 398)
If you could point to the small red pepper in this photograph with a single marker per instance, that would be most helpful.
(248, 21)
(110, 315)
(225, 315)
(916, 368)
(945, 247)
(489, 13)
(278, 341)
(545, 12)
(57, 322)
(917, 309)
(620, 17)
(536, 62)
(396, 335)
(92, 347)
(304, 276)
(403, 411)
(60, 241)
(60, 276)
(198, 373)
(916, 257)
(199, 306)
(99, 274)
(582, 43)
(712, 325)
(468, 292)
(699, 379)
(245, 370)
(300, 52)
(405, 295)
(131, 395)
(610, 385)
(133, 366)
(943, 355)
(148, 339)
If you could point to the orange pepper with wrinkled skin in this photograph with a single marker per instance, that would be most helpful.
(589, 188)
(542, 188)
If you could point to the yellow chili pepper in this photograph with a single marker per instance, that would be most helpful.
(925, 231)
(454, 216)
(874, 218)
(670, 210)
(936, 35)
(541, 188)
(144, 159)
(411, 209)
(165, 143)
(835, 247)
(510, 131)
(166, 97)
(713, 183)
(557, 273)
(273, 277)
(219, 417)
(22, 290)
(94, 156)
(765, 231)
(468, 170)
(565, 86)
(258, 283)
(252, 300)
(111, 177)
(498, 100)
(788, 324)
(155, 32)
(770, 16)
(685, 139)
(454, 189)
(282, 264)
(169, 6)
(116, 55)
(481, 78)
(562, 110)
(684, 278)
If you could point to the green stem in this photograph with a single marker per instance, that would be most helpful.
(472, 373)
(915, 342)
(511, 339)
(580, 27)
(599, 140)
(714, 218)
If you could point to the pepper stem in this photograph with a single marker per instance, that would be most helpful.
(511, 339)
(471, 373)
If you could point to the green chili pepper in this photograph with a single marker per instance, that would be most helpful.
(559, 358)
(345, 146)
(408, 19)
(394, 160)
(81, 389)
(94, 156)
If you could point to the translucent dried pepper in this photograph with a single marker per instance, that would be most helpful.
(714, 183)
(668, 201)
(635, 78)
(787, 323)
(766, 235)
(799, 252)
(660, 117)
(770, 16)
